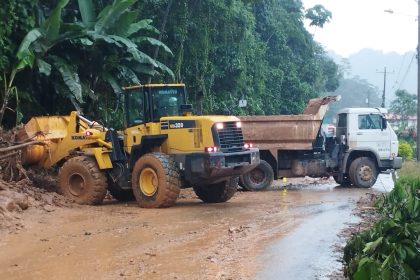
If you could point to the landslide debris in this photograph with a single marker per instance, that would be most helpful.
(22, 189)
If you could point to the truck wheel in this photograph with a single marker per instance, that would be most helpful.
(81, 180)
(155, 181)
(363, 172)
(219, 192)
(259, 178)
(346, 182)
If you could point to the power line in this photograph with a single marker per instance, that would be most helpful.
(399, 72)
(406, 72)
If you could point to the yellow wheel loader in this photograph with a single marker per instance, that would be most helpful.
(162, 149)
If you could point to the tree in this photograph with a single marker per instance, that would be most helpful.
(84, 58)
(405, 105)
(318, 15)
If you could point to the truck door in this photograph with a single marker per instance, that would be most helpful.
(371, 135)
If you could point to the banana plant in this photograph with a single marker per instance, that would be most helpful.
(93, 51)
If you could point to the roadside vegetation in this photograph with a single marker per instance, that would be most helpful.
(58, 56)
(391, 248)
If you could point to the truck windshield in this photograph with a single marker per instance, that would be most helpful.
(166, 101)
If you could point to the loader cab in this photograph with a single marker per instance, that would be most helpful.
(150, 102)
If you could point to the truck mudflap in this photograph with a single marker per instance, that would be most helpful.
(395, 163)
(211, 168)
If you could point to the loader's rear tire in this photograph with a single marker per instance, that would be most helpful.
(216, 193)
(259, 178)
(156, 181)
(363, 172)
(81, 180)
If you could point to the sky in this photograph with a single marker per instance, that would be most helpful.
(359, 24)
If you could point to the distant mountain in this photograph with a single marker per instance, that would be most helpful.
(367, 63)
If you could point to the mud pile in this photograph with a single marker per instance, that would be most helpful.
(21, 189)
(36, 191)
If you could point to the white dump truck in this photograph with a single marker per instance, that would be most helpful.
(296, 146)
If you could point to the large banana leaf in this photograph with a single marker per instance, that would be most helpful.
(144, 24)
(165, 68)
(128, 75)
(70, 77)
(111, 14)
(43, 66)
(153, 42)
(52, 24)
(87, 11)
(124, 22)
(112, 81)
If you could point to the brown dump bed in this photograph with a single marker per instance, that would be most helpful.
(287, 132)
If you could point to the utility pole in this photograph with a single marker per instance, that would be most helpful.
(383, 93)
(368, 98)
(418, 82)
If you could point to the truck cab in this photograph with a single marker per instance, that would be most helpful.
(366, 134)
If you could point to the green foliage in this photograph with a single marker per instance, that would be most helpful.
(405, 150)
(16, 18)
(391, 249)
(81, 58)
(223, 50)
(405, 104)
(318, 15)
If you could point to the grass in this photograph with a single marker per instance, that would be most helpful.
(410, 169)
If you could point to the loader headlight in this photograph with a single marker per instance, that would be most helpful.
(238, 124)
(219, 125)
(248, 145)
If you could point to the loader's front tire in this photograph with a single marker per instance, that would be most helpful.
(219, 192)
(81, 180)
(155, 181)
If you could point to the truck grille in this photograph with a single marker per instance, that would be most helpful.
(230, 138)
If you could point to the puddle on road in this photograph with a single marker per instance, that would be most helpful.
(308, 251)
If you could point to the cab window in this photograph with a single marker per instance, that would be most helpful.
(373, 121)
(166, 101)
(135, 107)
(342, 120)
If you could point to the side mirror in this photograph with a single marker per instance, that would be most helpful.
(343, 139)
(384, 123)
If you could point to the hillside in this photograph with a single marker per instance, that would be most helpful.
(367, 63)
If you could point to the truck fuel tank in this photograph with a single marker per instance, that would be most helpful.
(309, 167)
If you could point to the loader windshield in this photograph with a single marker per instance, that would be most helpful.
(166, 101)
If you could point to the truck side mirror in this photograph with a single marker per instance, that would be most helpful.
(343, 139)
(384, 123)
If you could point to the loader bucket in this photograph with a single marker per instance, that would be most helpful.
(44, 129)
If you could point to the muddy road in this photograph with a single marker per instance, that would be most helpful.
(267, 235)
